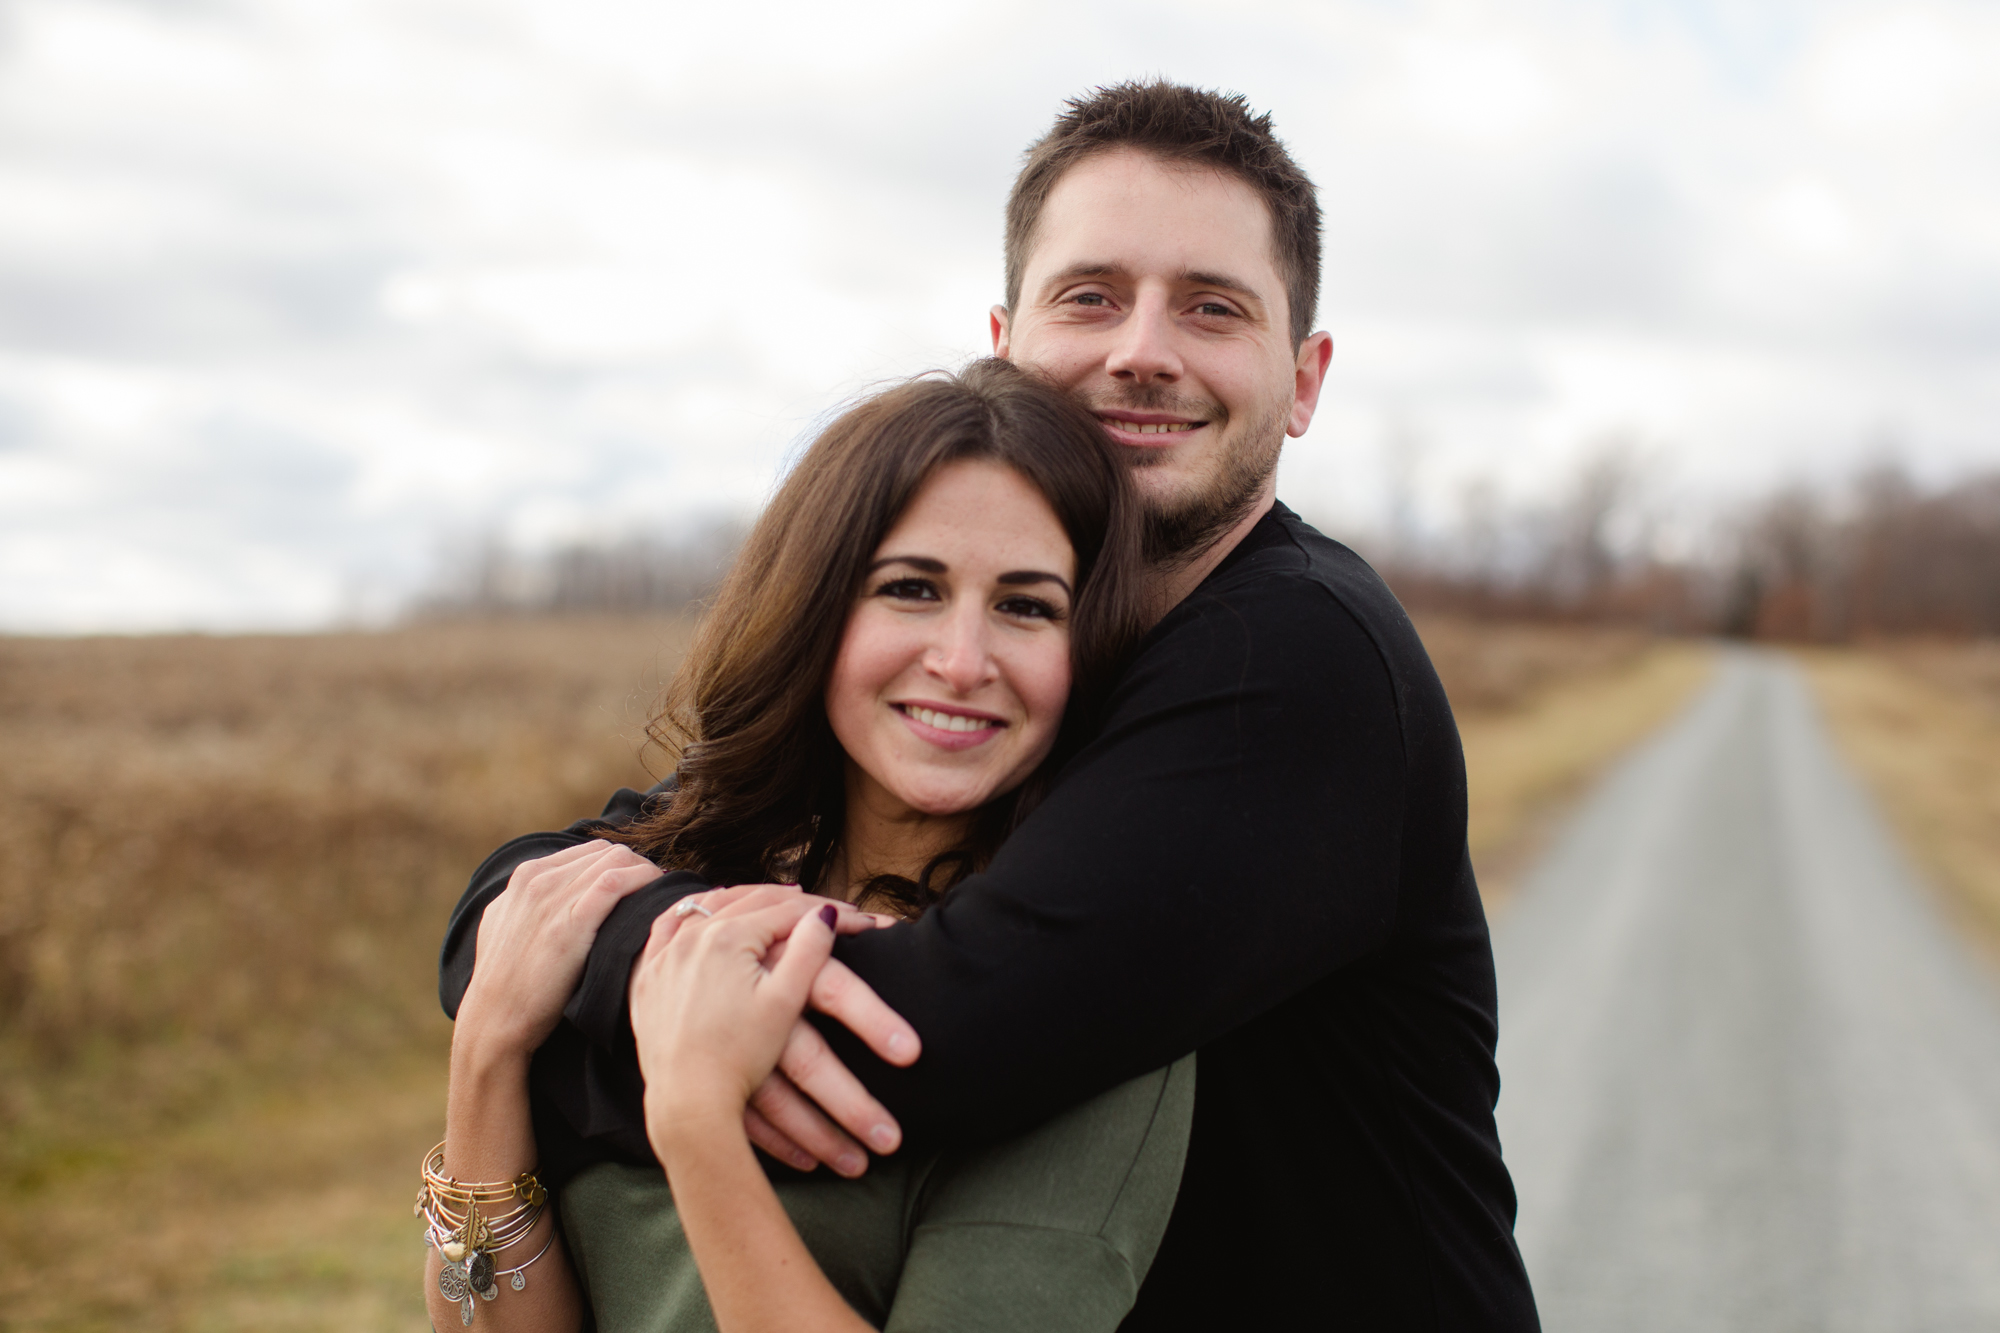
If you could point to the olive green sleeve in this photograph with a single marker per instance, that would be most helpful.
(1052, 1231)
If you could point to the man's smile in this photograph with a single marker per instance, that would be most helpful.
(1147, 429)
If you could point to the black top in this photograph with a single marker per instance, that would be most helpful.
(1262, 855)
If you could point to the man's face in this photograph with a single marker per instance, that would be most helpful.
(1152, 291)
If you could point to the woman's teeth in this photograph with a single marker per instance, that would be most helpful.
(930, 717)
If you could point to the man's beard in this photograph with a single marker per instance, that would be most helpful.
(1178, 530)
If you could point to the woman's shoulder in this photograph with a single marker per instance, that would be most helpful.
(1055, 1229)
(638, 1270)
(1109, 1168)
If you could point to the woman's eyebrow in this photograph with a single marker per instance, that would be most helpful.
(923, 562)
(1015, 577)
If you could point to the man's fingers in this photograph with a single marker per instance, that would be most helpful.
(790, 1114)
(817, 1072)
(768, 1137)
(838, 993)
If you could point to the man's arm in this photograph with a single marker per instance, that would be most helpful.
(1234, 835)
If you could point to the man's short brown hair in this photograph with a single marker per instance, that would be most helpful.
(1190, 126)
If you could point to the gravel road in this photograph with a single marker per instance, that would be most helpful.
(1750, 1080)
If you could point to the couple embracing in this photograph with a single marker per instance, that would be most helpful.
(1060, 916)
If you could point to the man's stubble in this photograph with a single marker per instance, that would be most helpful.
(1179, 529)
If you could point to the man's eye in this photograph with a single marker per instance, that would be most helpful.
(909, 590)
(1213, 308)
(1090, 298)
(1029, 608)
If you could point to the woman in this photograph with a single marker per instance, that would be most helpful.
(924, 618)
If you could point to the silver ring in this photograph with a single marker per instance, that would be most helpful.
(688, 907)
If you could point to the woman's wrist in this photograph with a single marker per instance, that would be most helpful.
(488, 1024)
(684, 1123)
(482, 1054)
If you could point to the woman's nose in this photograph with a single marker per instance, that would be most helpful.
(961, 657)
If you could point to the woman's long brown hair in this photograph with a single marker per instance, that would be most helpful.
(761, 776)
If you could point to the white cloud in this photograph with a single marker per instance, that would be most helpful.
(288, 290)
(1883, 73)
(1484, 92)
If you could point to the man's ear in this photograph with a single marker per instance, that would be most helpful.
(1308, 377)
(997, 317)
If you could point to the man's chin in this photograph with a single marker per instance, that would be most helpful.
(1145, 458)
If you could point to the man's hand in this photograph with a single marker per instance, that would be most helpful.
(812, 1109)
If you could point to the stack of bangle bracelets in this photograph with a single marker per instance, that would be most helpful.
(468, 1240)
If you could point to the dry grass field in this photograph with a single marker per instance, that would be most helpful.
(225, 864)
(224, 867)
(1921, 722)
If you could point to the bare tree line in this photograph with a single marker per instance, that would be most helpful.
(489, 577)
(1880, 554)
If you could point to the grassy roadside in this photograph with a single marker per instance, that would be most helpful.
(1921, 724)
(1528, 758)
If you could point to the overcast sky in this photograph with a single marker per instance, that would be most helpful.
(294, 292)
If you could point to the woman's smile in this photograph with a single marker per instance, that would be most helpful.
(949, 728)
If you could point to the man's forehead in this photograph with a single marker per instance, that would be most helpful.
(1132, 214)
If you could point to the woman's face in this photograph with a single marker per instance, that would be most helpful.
(954, 668)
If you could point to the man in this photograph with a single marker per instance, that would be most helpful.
(1261, 856)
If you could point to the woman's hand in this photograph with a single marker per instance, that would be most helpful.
(534, 938)
(714, 1001)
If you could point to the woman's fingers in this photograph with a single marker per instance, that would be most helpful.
(838, 993)
(553, 871)
(807, 950)
(607, 887)
(556, 860)
(717, 902)
(750, 897)
(793, 1116)
(726, 991)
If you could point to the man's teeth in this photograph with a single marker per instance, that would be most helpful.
(1156, 427)
(930, 717)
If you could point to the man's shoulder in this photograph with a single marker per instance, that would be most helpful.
(1287, 572)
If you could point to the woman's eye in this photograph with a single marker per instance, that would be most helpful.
(1030, 608)
(909, 590)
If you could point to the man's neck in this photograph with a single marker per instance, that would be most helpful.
(1170, 585)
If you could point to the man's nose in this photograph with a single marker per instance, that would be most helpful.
(1145, 352)
(962, 656)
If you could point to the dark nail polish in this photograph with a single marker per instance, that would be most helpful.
(829, 915)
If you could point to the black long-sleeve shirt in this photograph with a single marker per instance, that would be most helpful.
(1262, 855)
